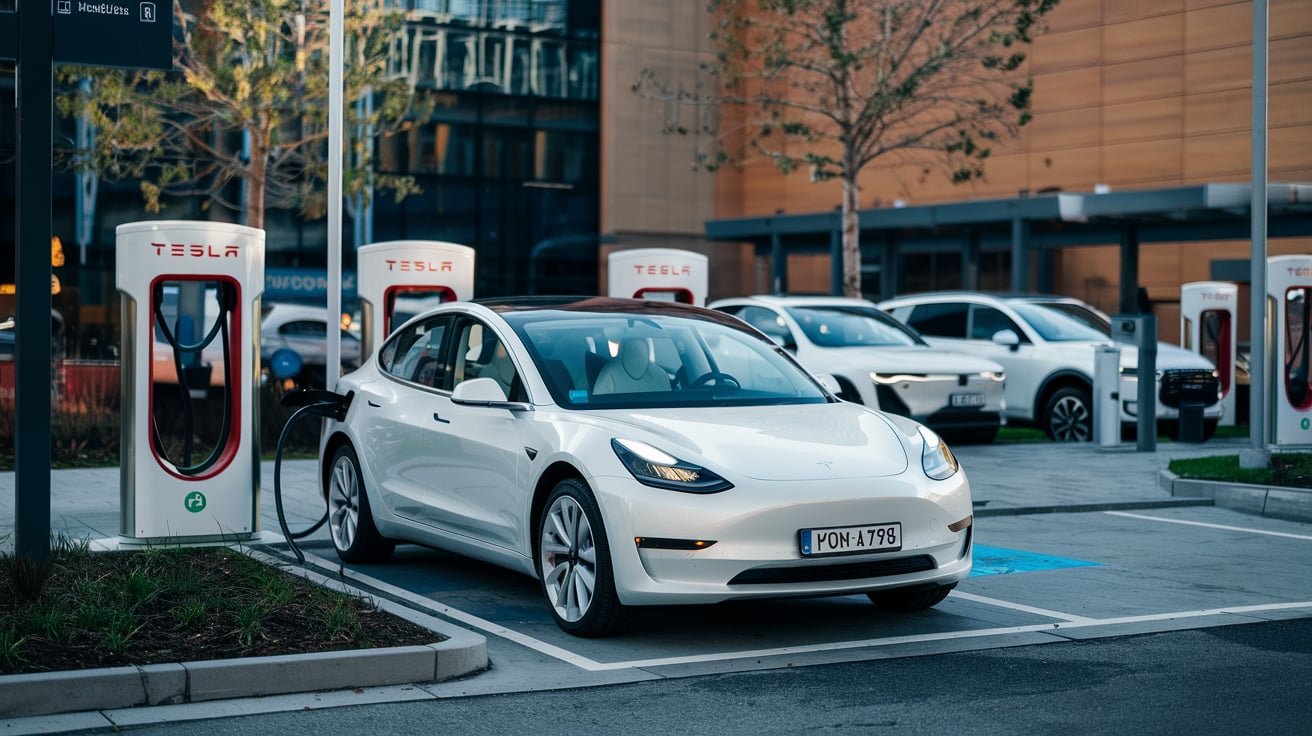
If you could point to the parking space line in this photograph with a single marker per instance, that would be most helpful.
(950, 635)
(1225, 527)
(1018, 606)
(441, 609)
(591, 665)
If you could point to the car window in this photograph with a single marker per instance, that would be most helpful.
(479, 353)
(304, 328)
(767, 321)
(1080, 313)
(987, 321)
(939, 320)
(625, 361)
(1055, 326)
(415, 353)
(842, 326)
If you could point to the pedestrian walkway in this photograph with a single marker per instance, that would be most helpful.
(1004, 477)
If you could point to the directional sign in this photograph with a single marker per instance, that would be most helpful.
(126, 33)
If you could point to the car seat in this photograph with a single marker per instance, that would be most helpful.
(631, 371)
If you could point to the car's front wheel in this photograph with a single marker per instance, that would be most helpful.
(350, 519)
(910, 599)
(574, 563)
(1068, 416)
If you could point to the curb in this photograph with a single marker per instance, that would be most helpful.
(461, 653)
(1082, 508)
(1276, 502)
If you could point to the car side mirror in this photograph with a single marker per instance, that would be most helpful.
(1007, 338)
(485, 392)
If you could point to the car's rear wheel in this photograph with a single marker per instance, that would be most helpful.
(918, 598)
(574, 564)
(1068, 416)
(350, 519)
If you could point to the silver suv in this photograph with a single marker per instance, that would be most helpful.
(1046, 344)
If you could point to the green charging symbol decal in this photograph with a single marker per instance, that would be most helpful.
(194, 502)
(1305, 423)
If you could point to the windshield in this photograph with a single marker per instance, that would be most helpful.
(842, 326)
(1054, 326)
(1081, 313)
(595, 360)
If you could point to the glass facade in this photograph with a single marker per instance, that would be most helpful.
(508, 160)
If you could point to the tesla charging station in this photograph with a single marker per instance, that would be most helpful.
(1289, 291)
(180, 483)
(400, 278)
(658, 274)
(1208, 323)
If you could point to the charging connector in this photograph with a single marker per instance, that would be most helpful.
(308, 402)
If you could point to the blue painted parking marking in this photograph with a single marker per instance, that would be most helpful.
(1003, 561)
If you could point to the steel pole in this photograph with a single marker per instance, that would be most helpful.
(1258, 455)
(336, 54)
(32, 355)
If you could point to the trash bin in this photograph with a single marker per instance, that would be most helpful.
(1191, 391)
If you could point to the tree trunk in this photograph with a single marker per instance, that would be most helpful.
(257, 172)
(851, 239)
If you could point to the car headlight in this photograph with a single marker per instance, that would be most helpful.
(937, 460)
(998, 376)
(659, 469)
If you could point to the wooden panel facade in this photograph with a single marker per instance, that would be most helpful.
(1129, 94)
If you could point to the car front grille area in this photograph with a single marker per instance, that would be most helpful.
(1180, 386)
(838, 571)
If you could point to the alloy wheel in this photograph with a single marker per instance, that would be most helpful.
(1070, 420)
(568, 559)
(344, 503)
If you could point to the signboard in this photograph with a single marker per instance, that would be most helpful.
(303, 285)
(126, 33)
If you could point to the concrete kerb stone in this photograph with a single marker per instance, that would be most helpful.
(1276, 502)
(461, 653)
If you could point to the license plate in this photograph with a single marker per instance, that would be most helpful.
(960, 400)
(849, 539)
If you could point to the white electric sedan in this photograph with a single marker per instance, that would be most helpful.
(880, 362)
(632, 453)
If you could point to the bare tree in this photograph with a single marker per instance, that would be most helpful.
(246, 102)
(834, 85)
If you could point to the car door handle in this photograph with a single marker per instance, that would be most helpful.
(439, 418)
(373, 404)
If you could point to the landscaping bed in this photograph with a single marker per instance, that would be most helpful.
(1289, 470)
(176, 605)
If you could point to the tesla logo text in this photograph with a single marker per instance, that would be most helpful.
(1299, 270)
(662, 270)
(407, 265)
(1216, 297)
(195, 250)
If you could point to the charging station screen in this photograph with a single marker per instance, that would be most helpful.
(194, 357)
(1214, 343)
(1298, 384)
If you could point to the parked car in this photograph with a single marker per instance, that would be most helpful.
(1046, 344)
(627, 453)
(303, 329)
(879, 362)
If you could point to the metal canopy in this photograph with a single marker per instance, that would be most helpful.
(1044, 221)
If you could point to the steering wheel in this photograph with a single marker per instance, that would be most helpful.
(717, 378)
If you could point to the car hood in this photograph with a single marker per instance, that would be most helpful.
(783, 443)
(897, 359)
(1169, 357)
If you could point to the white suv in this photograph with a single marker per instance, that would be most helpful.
(1046, 344)
(879, 362)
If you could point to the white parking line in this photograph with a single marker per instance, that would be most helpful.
(1210, 526)
(949, 635)
(591, 665)
(1018, 606)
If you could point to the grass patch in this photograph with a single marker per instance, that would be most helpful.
(1291, 470)
(175, 605)
(1014, 435)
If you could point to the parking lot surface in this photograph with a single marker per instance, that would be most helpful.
(1138, 564)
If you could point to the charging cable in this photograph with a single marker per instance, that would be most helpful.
(308, 402)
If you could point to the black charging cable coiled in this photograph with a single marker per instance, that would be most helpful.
(309, 402)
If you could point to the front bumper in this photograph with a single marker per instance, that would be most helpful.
(755, 526)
